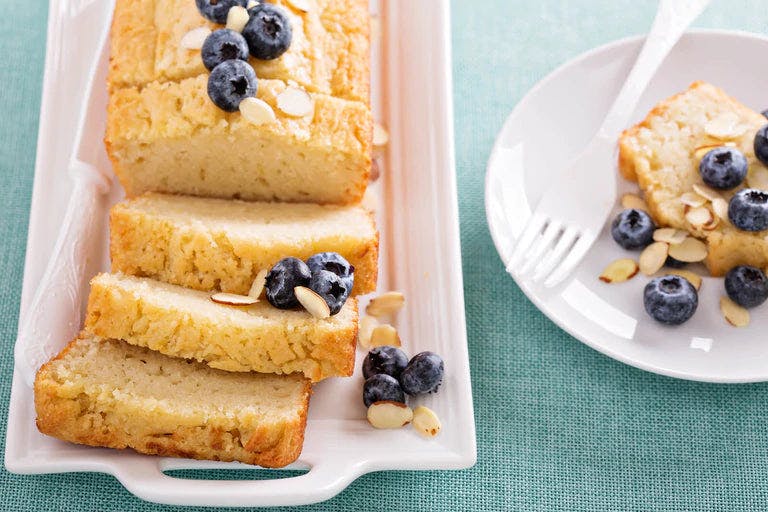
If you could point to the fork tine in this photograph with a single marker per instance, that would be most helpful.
(544, 242)
(532, 228)
(555, 255)
(573, 258)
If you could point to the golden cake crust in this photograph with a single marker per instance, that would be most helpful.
(660, 153)
(329, 53)
(102, 420)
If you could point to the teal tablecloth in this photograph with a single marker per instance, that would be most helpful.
(559, 426)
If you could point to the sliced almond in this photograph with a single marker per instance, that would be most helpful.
(700, 151)
(257, 288)
(691, 277)
(302, 5)
(237, 18)
(757, 177)
(712, 224)
(705, 191)
(725, 126)
(194, 39)
(720, 208)
(295, 102)
(312, 302)
(619, 271)
(365, 330)
(653, 257)
(256, 111)
(233, 299)
(690, 250)
(671, 236)
(375, 170)
(386, 414)
(426, 422)
(693, 199)
(698, 217)
(251, 4)
(736, 315)
(380, 136)
(386, 304)
(632, 201)
(384, 334)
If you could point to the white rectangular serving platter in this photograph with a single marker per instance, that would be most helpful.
(420, 254)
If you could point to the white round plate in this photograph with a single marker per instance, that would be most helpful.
(550, 126)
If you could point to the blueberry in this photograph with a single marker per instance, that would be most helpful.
(286, 275)
(333, 262)
(217, 10)
(670, 299)
(761, 144)
(746, 286)
(268, 31)
(423, 374)
(222, 45)
(388, 360)
(765, 113)
(230, 83)
(332, 288)
(382, 387)
(723, 168)
(633, 229)
(673, 263)
(748, 209)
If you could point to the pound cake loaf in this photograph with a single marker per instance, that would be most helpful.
(186, 323)
(214, 244)
(662, 153)
(108, 393)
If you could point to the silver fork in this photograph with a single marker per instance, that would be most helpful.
(571, 212)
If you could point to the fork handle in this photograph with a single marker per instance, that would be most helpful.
(672, 18)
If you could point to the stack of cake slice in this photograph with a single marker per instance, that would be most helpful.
(162, 367)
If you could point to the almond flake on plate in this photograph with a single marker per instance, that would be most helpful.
(632, 201)
(725, 126)
(757, 177)
(384, 334)
(690, 250)
(386, 414)
(256, 111)
(619, 271)
(386, 304)
(365, 330)
(736, 315)
(233, 299)
(693, 199)
(380, 136)
(194, 39)
(312, 302)
(257, 288)
(302, 5)
(237, 18)
(670, 235)
(653, 257)
(705, 191)
(426, 422)
(691, 277)
(295, 102)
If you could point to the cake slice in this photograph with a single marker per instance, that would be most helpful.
(186, 323)
(209, 244)
(108, 393)
(662, 154)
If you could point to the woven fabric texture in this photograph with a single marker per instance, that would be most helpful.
(560, 427)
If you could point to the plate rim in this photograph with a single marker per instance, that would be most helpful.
(494, 229)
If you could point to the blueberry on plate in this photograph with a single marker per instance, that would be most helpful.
(382, 387)
(723, 168)
(673, 263)
(746, 286)
(222, 45)
(268, 31)
(423, 374)
(333, 262)
(385, 359)
(633, 229)
(748, 209)
(670, 299)
(217, 10)
(332, 288)
(286, 275)
(230, 83)
(761, 144)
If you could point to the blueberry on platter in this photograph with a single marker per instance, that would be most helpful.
(633, 229)
(670, 299)
(423, 374)
(382, 387)
(222, 45)
(230, 83)
(217, 10)
(748, 209)
(385, 359)
(284, 276)
(723, 168)
(746, 286)
(268, 31)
